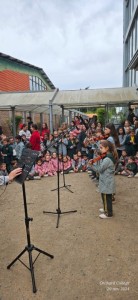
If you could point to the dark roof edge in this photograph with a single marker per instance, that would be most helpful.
(29, 65)
(27, 92)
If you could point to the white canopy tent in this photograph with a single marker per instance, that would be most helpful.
(39, 101)
(32, 102)
(107, 97)
(56, 102)
(97, 97)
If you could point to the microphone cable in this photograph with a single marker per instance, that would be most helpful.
(4, 190)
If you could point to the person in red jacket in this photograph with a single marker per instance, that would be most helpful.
(35, 138)
(44, 130)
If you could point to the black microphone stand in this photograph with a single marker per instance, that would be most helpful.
(64, 183)
(58, 210)
(29, 248)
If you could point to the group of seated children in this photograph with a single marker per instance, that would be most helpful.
(50, 164)
(127, 165)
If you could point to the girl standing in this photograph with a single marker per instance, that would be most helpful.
(44, 130)
(106, 170)
(122, 138)
(111, 132)
(71, 148)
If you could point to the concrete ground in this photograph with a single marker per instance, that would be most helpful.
(93, 258)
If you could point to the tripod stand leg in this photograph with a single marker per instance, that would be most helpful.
(32, 271)
(66, 186)
(43, 252)
(8, 267)
(58, 220)
(68, 212)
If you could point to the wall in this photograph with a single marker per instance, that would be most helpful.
(4, 122)
(11, 81)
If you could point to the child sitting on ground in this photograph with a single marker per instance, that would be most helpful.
(122, 162)
(84, 162)
(76, 164)
(79, 154)
(54, 160)
(131, 167)
(60, 162)
(48, 166)
(39, 168)
(14, 164)
(136, 160)
(67, 165)
(33, 175)
(3, 170)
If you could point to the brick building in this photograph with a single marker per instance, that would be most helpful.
(19, 76)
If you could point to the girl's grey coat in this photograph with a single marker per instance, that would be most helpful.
(106, 169)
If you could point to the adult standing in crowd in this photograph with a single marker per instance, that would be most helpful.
(81, 138)
(19, 146)
(25, 131)
(136, 126)
(7, 153)
(122, 139)
(126, 125)
(112, 135)
(30, 122)
(35, 138)
(44, 130)
(131, 116)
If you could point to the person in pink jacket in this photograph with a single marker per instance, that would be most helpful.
(67, 165)
(39, 168)
(48, 166)
(54, 160)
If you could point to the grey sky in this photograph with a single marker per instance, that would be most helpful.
(78, 43)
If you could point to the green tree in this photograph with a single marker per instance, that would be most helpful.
(18, 120)
(101, 115)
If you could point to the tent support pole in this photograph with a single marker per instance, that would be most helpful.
(13, 120)
(41, 118)
(62, 107)
(70, 116)
(50, 116)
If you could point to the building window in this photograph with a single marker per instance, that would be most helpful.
(137, 33)
(130, 77)
(129, 50)
(126, 55)
(133, 41)
(129, 11)
(135, 3)
(136, 78)
(31, 83)
(126, 78)
(130, 46)
(36, 84)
